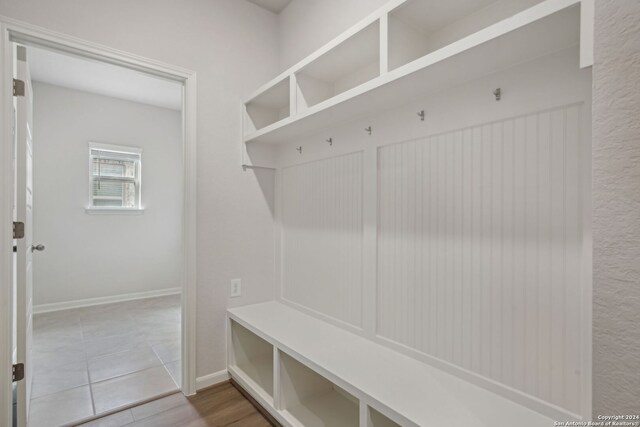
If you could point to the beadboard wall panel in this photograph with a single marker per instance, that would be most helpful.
(480, 241)
(322, 232)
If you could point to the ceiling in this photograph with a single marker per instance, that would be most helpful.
(103, 79)
(274, 6)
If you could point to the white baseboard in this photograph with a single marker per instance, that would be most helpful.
(57, 306)
(212, 379)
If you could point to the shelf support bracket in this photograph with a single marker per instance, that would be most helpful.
(246, 167)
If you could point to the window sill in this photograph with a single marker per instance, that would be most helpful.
(113, 211)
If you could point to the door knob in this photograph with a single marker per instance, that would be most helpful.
(39, 247)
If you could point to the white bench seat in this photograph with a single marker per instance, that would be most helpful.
(407, 391)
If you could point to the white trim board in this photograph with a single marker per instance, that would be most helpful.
(88, 302)
(211, 379)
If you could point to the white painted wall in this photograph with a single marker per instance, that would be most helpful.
(223, 41)
(322, 237)
(616, 208)
(93, 256)
(480, 250)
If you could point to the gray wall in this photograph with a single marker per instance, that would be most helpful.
(92, 256)
(306, 25)
(616, 208)
(232, 46)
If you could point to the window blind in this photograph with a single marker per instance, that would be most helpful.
(115, 178)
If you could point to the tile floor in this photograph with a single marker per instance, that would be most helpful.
(93, 360)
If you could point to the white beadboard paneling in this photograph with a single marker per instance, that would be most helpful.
(322, 231)
(479, 249)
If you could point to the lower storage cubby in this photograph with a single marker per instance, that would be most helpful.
(310, 400)
(376, 419)
(252, 357)
(287, 361)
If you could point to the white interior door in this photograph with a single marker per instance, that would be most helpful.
(25, 248)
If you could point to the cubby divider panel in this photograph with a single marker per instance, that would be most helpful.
(253, 357)
(310, 400)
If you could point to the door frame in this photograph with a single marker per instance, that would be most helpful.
(12, 31)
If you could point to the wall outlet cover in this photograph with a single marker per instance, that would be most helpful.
(236, 288)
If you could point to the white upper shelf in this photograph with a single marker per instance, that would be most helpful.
(409, 49)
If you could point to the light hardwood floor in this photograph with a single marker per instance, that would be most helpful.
(221, 406)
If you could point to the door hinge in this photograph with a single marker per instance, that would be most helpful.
(18, 372)
(18, 230)
(18, 87)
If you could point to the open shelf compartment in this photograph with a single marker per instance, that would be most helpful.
(350, 64)
(252, 358)
(268, 107)
(544, 29)
(310, 400)
(376, 419)
(420, 27)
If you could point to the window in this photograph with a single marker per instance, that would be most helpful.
(114, 177)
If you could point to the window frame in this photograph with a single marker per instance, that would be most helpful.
(137, 180)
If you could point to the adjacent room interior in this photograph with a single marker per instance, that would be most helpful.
(107, 171)
(336, 213)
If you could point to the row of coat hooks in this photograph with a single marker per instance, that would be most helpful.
(497, 93)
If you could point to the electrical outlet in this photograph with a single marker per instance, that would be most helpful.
(236, 288)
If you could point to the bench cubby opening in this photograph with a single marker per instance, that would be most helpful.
(376, 419)
(310, 400)
(253, 357)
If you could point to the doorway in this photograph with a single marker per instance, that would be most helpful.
(142, 323)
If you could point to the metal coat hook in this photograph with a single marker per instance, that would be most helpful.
(421, 115)
(330, 141)
(498, 94)
(368, 130)
(299, 149)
